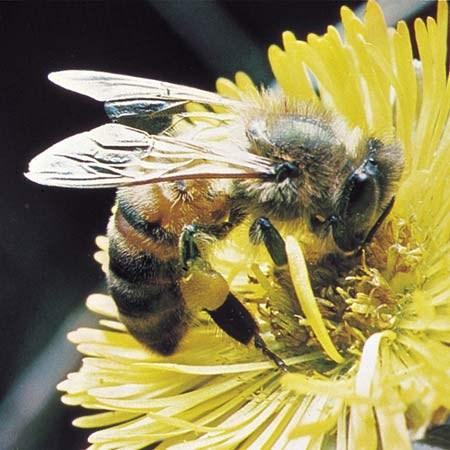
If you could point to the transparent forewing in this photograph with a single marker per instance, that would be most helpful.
(107, 87)
(115, 155)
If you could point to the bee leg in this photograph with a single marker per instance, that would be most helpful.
(234, 318)
(226, 310)
(220, 230)
(230, 314)
(262, 231)
(189, 251)
(261, 345)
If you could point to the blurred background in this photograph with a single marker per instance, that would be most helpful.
(47, 235)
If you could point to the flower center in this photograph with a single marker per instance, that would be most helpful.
(357, 296)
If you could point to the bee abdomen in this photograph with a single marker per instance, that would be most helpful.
(151, 230)
(161, 334)
(148, 297)
(143, 267)
(155, 314)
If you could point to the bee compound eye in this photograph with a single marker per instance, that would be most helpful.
(361, 194)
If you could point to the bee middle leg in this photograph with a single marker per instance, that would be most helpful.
(231, 316)
(263, 231)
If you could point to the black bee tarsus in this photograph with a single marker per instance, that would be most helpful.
(261, 345)
(263, 231)
(233, 318)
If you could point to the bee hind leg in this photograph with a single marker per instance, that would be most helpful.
(228, 312)
(263, 231)
(208, 290)
(261, 345)
(234, 318)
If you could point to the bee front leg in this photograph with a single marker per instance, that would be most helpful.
(263, 231)
(208, 290)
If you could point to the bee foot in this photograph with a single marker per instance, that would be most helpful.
(261, 345)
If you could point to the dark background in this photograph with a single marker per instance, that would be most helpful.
(47, 235)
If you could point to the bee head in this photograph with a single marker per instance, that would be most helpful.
(324, 172)
(307, 159)
(367, 195)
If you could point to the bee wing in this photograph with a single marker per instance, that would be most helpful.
(114, 155)
(107, 87)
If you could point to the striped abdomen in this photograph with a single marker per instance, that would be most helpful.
(144, 269)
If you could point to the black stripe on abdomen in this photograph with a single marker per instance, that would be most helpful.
(138, 300)
(142, 283)
(148, 297)
(152, 230)
(142, 267)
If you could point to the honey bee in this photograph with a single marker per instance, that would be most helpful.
(285, 161)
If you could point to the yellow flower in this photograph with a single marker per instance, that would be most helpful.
(369, 355)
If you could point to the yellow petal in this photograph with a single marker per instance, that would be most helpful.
(362, 432)
(306, 298)
(369, 363)
(102, 304)
(103, 419)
